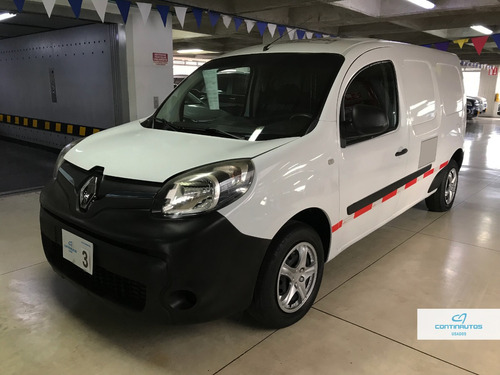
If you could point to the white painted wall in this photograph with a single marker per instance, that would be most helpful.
(145, 79)
(487, 87)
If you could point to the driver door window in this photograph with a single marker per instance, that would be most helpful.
(369, 106)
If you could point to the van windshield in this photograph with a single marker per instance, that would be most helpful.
(251, 97)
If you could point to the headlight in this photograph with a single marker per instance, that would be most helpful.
(60, 158)
(204, 189)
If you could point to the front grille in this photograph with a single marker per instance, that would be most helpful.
(121, 290)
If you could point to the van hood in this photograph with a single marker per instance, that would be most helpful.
(134, 152)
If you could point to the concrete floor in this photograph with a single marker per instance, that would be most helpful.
(363, 322)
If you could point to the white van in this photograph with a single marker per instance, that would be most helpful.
(260, 167)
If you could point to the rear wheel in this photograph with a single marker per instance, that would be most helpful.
(444, 196)
(290, 277)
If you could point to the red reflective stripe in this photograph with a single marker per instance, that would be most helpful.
(412, 182)
(363, 210)
(389, 196)
(443, 165)
(428, 173)
(337, 226)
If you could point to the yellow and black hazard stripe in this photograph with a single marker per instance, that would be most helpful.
(51, 126)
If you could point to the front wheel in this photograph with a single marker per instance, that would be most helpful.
(289, 278)
(444, 196)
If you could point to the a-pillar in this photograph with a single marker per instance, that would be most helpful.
(150, 77)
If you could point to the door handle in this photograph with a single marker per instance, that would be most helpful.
(402, 152)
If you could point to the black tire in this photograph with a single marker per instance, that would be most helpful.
(444, 196)
(293, 267)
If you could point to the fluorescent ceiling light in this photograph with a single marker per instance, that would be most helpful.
(482, 29)
(423, 3)
(5, 16)
(193, 50)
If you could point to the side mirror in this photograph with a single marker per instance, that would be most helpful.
(369, 119)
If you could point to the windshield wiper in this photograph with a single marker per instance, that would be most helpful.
(216, 131)
(165, 124)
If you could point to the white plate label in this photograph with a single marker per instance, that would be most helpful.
(78, 251)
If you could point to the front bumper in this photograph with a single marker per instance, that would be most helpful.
(187, 270)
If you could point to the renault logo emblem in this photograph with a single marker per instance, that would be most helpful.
(88, 193)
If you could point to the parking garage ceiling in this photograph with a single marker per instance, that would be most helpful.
(397, 20)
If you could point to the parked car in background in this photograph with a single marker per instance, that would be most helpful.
(482, 103)
(473, 108)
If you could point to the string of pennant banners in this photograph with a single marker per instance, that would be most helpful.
(214, 17)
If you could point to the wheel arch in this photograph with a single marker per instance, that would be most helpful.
(318, 220)
(458, 156)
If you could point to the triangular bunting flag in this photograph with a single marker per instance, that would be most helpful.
(100, 7)
(237, 22)
(49, 6)
(19, 5)
(479, 43)
(442, 46)
(496, 38)
(124, 8)
(145, 9)
(214, 17)
(309, 34)
(461, 42)
(318, 35)
(198, 13)
(281, 30)
(291, 33)
(226, 20)
(427, 45)
(163, 10)
(76, 5)
(250, 25)
(262, 26)
(301, 34)
(272, 29)
(180, 12)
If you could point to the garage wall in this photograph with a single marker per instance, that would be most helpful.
(73, 76)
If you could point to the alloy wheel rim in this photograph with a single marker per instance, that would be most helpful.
(450, 186)
(297, 277)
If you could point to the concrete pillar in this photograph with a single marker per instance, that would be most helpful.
(149, 82)
(487, 87)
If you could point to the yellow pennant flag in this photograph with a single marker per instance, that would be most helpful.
(461, 42)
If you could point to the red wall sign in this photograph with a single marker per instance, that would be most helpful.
(160, 58)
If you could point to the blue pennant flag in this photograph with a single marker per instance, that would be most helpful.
(427, 45)
(214, 17)
(301, 34)
(237, 22)
(76, 5)
(19, 5)
(442, 46)
(281, 30)
(496, 38)
(262, 26)
(318, 35)
(124, 7)
(198, 13)
(163, 10)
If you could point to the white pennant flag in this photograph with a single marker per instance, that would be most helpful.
(250, 25)
(100, 7)
(145, 9)
(180, 12)
(226, 20)
(309, 34)
(291, 33)
(272, 29)
(49, 6)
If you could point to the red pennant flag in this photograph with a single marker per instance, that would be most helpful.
(479, 43)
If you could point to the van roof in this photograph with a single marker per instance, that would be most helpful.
(340, 46)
